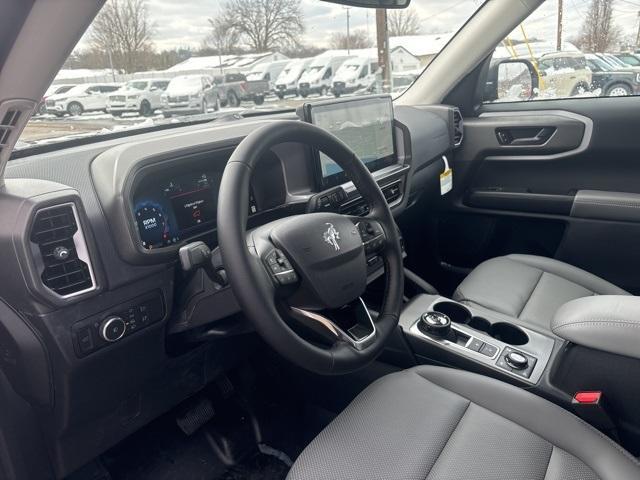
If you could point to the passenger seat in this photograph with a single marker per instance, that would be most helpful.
(529, 288)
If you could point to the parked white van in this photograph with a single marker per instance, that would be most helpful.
(354, 74)
(287, 81)
(268, 72)
(318, 77)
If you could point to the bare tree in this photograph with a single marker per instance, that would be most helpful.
(265, 24)
(357, 39)
(599, 32)
(123, 30)
(403, 22)
(223, 38)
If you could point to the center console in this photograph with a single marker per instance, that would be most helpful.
(455, 334)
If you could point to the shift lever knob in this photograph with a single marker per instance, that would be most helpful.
(437, 323)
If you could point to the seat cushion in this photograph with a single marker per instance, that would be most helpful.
(439, 423)
(529, 288)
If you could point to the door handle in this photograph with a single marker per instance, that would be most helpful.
(524, 136)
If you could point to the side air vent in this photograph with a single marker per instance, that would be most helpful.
(13, 115)
(65, 266)
(458, 128)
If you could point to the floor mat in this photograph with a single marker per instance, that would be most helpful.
(258, 467)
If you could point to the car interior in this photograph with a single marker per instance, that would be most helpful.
(250, 298)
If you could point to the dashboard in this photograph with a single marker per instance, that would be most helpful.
(93, 344)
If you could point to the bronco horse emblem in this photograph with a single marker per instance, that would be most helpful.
(331, 236)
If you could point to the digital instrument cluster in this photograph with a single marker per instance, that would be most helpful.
(177, 207)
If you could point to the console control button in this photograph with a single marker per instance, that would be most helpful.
(475, 344)
(112, 329)
(516, 360)
(489, 350)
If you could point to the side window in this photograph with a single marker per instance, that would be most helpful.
(365, 71)
(579, 54)
(160, 85)
(327, 74)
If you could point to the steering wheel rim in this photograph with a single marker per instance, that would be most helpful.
(248, 276)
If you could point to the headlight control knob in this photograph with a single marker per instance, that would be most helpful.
(112, 328)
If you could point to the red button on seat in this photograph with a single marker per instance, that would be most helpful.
(587, 397)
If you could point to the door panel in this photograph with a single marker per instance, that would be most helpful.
(582, 181)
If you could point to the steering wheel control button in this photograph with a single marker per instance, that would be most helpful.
(516, 360)
(372, 236)
(113, 329)
(280, 268)
(437, 323)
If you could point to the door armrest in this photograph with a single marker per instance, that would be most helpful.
(610, 323)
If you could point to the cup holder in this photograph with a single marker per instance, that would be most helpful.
(481, 324)
(507, 333)
(456, 312)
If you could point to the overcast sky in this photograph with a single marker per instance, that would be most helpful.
(183, 23)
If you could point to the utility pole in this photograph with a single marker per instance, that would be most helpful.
(348, 30)
(638, 34)
(113, 74)
(559, 37)
(382, 37)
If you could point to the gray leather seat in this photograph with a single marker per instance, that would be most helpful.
(529, 288)
(431, 423)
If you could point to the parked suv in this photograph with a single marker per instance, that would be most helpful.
(188, 94)
(82, 98)
(142, 96)
(631, 59)
(563, 74)
(52, 90)
(612, 82)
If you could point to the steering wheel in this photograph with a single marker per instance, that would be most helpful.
(305, 267)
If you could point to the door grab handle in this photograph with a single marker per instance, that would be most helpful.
(528, 136)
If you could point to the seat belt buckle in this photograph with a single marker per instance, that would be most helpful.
(591, 407)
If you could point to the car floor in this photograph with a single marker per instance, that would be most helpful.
(248, 425)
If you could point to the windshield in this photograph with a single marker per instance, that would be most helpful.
(599, 64)
(136, 85)
(255, 75)
(185, 42)
(181, 83)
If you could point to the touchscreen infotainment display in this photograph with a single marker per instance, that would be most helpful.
(364, 124)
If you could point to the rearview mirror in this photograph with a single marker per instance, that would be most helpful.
(373, 3)
(511, 80)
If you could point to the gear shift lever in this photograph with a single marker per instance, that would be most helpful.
(436, 323)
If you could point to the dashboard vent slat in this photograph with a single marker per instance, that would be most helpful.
(458, 128)
(56, 229)
(359, 208)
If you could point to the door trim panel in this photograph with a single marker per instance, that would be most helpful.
(561, 145)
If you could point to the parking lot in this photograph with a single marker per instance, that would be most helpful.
(46, 126)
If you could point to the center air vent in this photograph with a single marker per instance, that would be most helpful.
(359, 207)
(458, 129)
(65, 267)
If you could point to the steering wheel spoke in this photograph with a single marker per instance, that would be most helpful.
(359, 330)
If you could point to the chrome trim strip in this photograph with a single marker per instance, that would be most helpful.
(336, 330)
(81, 250)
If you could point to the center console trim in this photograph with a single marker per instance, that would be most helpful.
(539, 346)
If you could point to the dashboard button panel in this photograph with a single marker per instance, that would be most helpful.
(111, 326)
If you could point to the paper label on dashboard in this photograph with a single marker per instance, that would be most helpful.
(446, 181)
